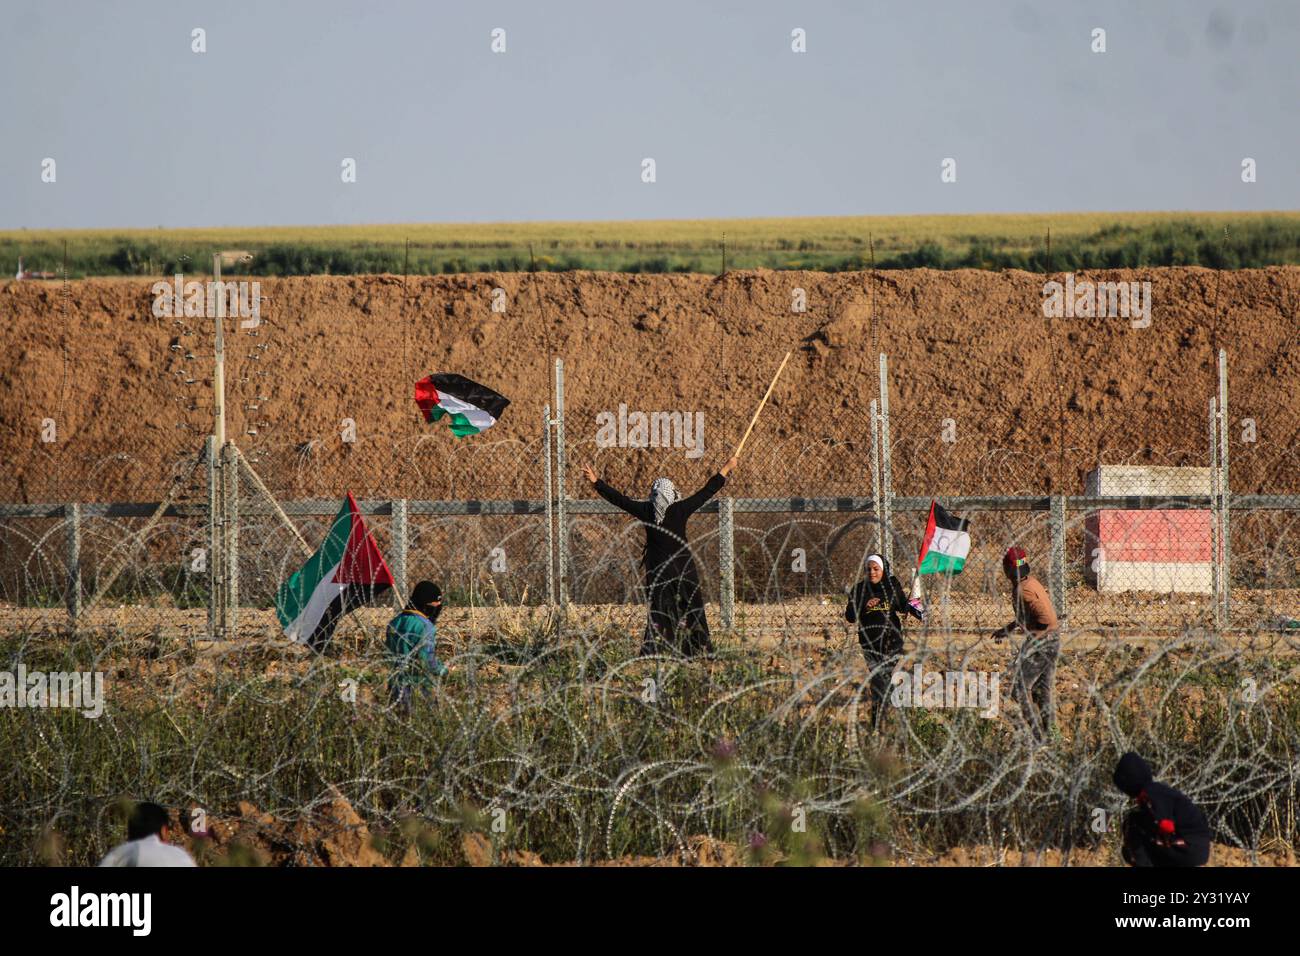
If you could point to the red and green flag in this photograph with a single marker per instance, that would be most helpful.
(946, 543)
(469, 406)
(346, 572)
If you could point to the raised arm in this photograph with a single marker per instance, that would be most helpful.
(636, 508)
(711, 487)
(696, 501)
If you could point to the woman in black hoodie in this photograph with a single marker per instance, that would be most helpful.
(1164, 828)
(874, 604)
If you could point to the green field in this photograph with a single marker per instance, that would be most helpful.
(1079, 241)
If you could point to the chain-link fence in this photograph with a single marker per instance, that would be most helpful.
(1133, 540)
(1139, 542)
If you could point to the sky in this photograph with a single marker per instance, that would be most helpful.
(146, 132)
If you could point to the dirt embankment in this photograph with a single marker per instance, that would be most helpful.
(1052, 397)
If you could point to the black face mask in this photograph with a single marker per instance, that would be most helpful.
(431, 612)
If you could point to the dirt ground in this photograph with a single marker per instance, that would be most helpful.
(1096, 620)
(967, 345)
(336, 835)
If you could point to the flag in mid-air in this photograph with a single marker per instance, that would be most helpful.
(946, 543)
(470, 406)
(346, 572)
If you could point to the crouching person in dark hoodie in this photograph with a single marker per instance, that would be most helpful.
(1164, 828)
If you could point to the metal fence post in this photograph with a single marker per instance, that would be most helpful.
(1225, 488)
(1057, 573)
(401, 549)
(72, 531)
(213, 557)
(1216, 584)
(550, 508)
(727, 560)
(230, 472)
(561, 491)
(886, 476)
(223, 612)
(875, 476)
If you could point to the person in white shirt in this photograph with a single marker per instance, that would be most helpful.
(146, 841)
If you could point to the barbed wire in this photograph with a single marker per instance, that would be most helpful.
(589, 752)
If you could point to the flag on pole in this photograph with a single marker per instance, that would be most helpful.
(945, 545)
(472, 407)
(346, 572)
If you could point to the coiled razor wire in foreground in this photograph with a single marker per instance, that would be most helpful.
(554, 738)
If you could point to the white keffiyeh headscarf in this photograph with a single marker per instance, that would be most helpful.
(662, 493)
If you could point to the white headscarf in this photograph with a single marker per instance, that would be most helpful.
(662, 493)
(877, 560)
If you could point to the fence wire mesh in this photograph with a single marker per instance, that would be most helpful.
(804, 518)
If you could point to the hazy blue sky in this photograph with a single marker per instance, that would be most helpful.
(252, 132)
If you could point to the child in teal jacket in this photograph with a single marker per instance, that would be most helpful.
(411, 641)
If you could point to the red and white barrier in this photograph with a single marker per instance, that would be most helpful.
(1158, 550)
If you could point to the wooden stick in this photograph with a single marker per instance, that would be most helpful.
(275, 505)
(757, 411)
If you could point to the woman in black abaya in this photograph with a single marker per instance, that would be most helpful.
(874, 605)
(676, 620)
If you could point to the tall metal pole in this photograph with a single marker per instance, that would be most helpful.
(72, 533)
(401, 551)
(215, 549)
(230, 472)
(1058, 521)
(562, 525)
(875, 477)
(727, 561)
(219, 371)
(886, 477)
(550, 507)
(1224, 487)
(1215, 501)
(220, 555)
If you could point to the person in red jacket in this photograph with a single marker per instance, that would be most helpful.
(1033, 671)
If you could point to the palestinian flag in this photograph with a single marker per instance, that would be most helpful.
(346, 572)
(946, 543)
(471, 406)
